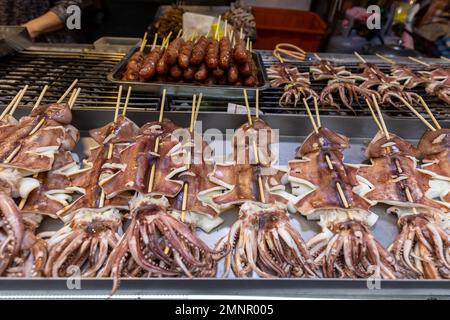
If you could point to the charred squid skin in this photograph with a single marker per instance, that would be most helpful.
(14, 229)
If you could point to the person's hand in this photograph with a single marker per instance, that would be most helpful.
(32, 29)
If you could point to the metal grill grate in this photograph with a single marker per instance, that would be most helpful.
(58, 69)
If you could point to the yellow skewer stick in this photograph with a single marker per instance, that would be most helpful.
(67, 91)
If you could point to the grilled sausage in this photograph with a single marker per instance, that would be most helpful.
(199, 51)
(224, 53)
(188, 73)
(245, 69)
(176, 72)
(233, 73)
(250, 81)
(240, 53)
(133, 66)
(212, 54)
(148, 69)
(202, 73)
(161, 66)
(172, 51)
(185, 54)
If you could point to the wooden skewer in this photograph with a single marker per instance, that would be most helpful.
(225, 28)
(180, 32)
(424, 104)
(255, 149)
(380, 115)
(385, 59)
(216, 34)
(143, 42)
(193, 108)
(155, 39)
(249, 115)
(16, 103)
(316, 106)
(111, 145)
(152, 171)
(359, 57)
(127, 99)
(418, 115)
(317, 57)
(241, 34)
(69, 89)
(419, 62)
(13, 101)
(257, 102)
(73, 96)
(445, 58)
(374, 116)
(41, 96)
(342, 195)
(199, 100)
(311, 118)
(247, 44)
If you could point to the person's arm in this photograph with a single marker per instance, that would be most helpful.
(48, 22)
(52, 20)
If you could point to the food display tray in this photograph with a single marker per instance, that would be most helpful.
(188, 89)
(292, 131)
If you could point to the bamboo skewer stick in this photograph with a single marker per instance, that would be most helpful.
(374, 116)
(419, 62)
(383, 124)
(67, 91)
(74, 97)
(199, 100)
(311, 118)
(156, 149)
(424, 104)
(216, 34)
(143, 42)
(316, 106)
(13, 101)
(16, 103)
(111, 145)
(257, 103)
(41, 96)
(359, 57)
(127, 99)
(255, 150)
(385, 59)
(445, 58)
(418, 115)
(155, 39)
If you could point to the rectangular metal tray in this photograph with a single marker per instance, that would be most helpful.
(188, 89)
(292, 131)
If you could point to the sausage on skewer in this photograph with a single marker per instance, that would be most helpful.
(189, 72)
(185, 54)
(202, 73)
(224, 53)
(133, 66)
(212, 54)
(172, 51)
(199, 51)
(148, 69)
(240, 52)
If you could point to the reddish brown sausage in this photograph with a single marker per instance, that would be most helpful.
(202, 73)
(185, 54)
(188, 73)
(133, 66)
(176, 72)
(245, 69)
(199, 51)
(148, 69)
(250, 81)
(224, 53)
(232, 73)
(161, 66)
(240, 53)
(212, 54)
(172, 51)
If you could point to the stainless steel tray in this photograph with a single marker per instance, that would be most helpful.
(292, 131)
(188, 89)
